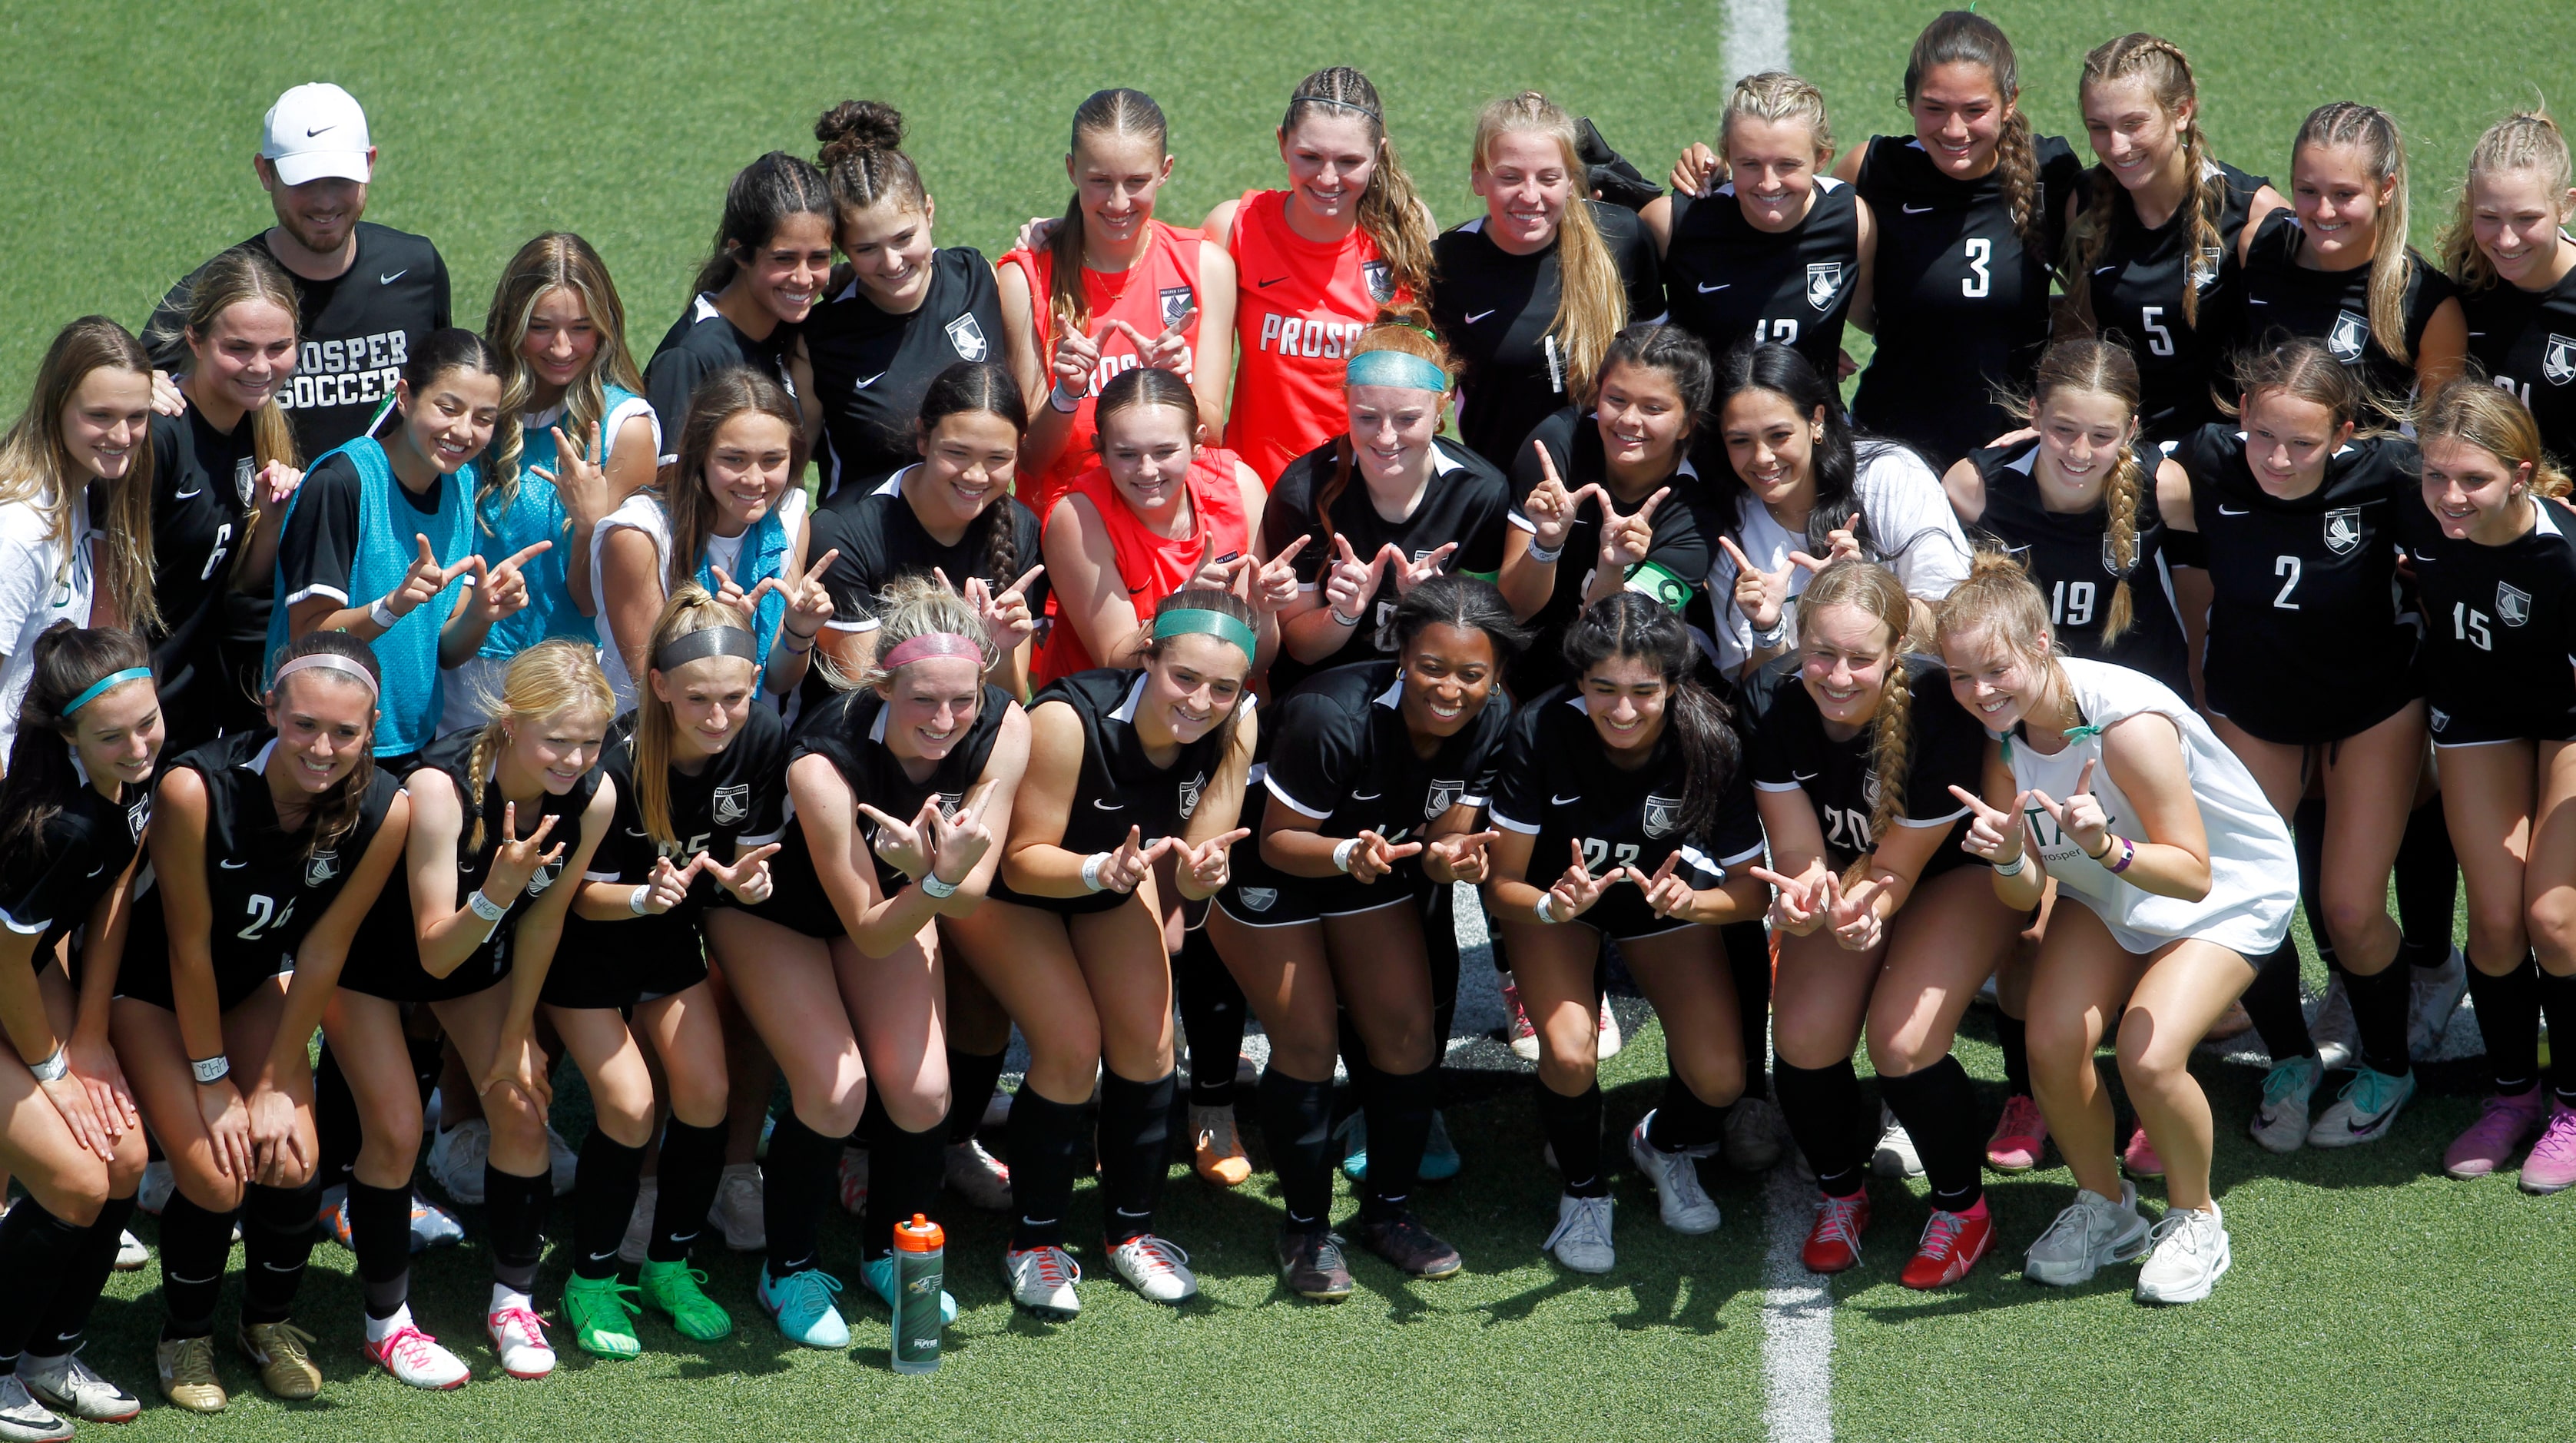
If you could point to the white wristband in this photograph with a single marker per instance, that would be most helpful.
(2013, 870)
(634, 900)
(1091, 869)
(484, 907)
(382, 615)
(1544, 556)
(1778, 634)
(1341, 619)
(53, 1068)
(1064, 401)
(1543, 909)
(211, 1070)
(1342, 854)
(932, 886)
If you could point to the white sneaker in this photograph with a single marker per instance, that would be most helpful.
(639, 1224)
(1582, 1237)
(2337, 1036)
(2190, 1253)
(2436, 996)
(1675, 1178)
(519, 1340)
(2280, 1121)
(1896, 1155)
(158, 1184)
(2093, 1231)
(71, 1389)
(1754, 1129)
(1042, 1281)
(24, 1420)
(561, 1160)
(413, 1356)
(1523, 1037)
(130, 1252)
(1610, 1041)
(457, 1157)
(737, 1209)
(978, 1176)
(1154, 1267)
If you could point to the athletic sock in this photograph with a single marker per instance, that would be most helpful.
(37, 1249)
(380, 1234)
(692, 1169)
(2427, 878)
(797, 1181)
(337, 1131)
(515, 1207)
(2380, 1003)
(195, 1243)
(904, 1173)
(278, 1228)
(1211, 1006)
(972, 1076)
(1824, 1111)
(2012, 1035)
(1939, 1110)
(1043, 1136)
(1573, 1128)
(873, 1122)
(1135, 1152)
(2508, 1009)
(604, 1184)
(1748, 965)
(2558, 1000)
(60, 1324)
(1399, 1125)
(1681, 1119)
(1355, 1062)
(2272, 1001)
(1297, 1127)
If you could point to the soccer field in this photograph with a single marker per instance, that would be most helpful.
(2371, 1296)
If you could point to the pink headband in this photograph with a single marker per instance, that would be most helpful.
(931, 643)
(325, 660)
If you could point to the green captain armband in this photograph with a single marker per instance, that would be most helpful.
(1490, 578)
(1662, 585)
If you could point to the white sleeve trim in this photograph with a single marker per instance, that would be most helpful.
(763, 840)
(1743, 857)
(601, 876)
(1294, 805)
(870, 624)
(1526, 829)
(1932, 821)
(1515, 517)
(333, 592)
(24, 929)
(1779, 786)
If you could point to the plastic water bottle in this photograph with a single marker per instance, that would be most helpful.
(920, 1253)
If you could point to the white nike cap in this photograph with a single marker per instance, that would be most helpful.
(314, 131)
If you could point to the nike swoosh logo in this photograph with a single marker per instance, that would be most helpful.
(2475, 335)
(1561, 801)
(1804, 776)
(1918, 210)
(637, 832)
(870, 381)
(603, 1257)
(184, 495)
(101, 867)
(1478, 316)
(334, 125)
(1706, 289)
(233, 866)
(1265, 285)
(2252, 302)
(1366, 796)
(2104, 270)
(1109, 806)
(2223, 510)
(383, 280)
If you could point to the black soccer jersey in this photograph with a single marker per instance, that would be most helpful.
(1728, 283)
(849, 731)
(2305, 640)
(265, 891)
(2070, 559)
(1788, 751)
(1342, 757)
(355, 332)
(2499, 653)
(1677, 558)
(2526, 341)
(699, 344)
(84, 848)
(871, 369)
(881, 540)
(1962, 302)
(201, 487)
(1466, 502)
(2136, 286)
(2282, 295)
(1494, 308)
(738, 799)
(1119, 786)
(318, 551)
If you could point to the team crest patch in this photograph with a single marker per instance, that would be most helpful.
(2440, 717)
(243, 475)
(2204, 267)
(1663, 816)
(545, 877)
(1869, 788)
(2343, 529)
(1824, 282)
(2111, 557)
(2513, 606)
(1380, 280)
(321, 867)
(137, 817)
(1443, 795)
(1259, 899)
(2558, 363)
(1177, 302)
(2350, 335)
(733, 804)
(1190, 791)
(967, 337)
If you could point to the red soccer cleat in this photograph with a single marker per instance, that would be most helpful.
(1952, 1243)
(1833, 1244)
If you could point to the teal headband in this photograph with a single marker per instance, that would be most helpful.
(1395, 368)
(1183, 620)
(116, 679)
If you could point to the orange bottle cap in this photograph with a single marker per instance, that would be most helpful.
(920, 1235)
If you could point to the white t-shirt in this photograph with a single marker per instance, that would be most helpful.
(39, 585)
(1916, 535)
(643, 512)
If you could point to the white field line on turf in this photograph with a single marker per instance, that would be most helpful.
(1757, 37)
(1797, 1319)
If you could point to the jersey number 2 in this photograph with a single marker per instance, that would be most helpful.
(260, 909)
(2288, 568)
(1978, 283)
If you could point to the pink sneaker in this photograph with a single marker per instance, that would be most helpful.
(1524, 1038)
(2021, 1137)
(2500, 1131)
(2552, 1164)
(2139, 1157)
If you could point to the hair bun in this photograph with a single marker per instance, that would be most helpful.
(857, 125)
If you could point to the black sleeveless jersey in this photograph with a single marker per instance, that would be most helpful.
(265, 891)
(2282, 295)
(1119, 786)
(84, 848)
(1467, 501)
(2306, 642)
(1728, 283)
(1962, 302)
(1678, 555)
(2526, 341)
(849, 732)
(738, 799)
(2499, 622)
(1555, 782)
(1788, 751)
(2136, 287)
(871, 369)
(1494, 308)
(2070, 559)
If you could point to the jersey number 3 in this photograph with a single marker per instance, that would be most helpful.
(1978, 282)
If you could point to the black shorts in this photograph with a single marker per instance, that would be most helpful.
(797, 900)
(149, 980)
(2461, 729)
(1083, 906)
(618, 964)
(384, 962)
(2285, 716)
(1257, 894)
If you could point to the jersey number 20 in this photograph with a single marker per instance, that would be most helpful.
(1846, 828)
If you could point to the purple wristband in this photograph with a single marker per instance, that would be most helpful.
(2128, 854)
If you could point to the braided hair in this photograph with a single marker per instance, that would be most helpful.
(1963, 37)
(2372, 133)
(336, 810)
(547, 679)
(2526, 140)
(2106, 368)
(1390, 208)
(2160, 65)
(982, 387)
(1874, 589)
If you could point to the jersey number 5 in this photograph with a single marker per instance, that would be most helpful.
(2159, 340)
(1978, 282)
